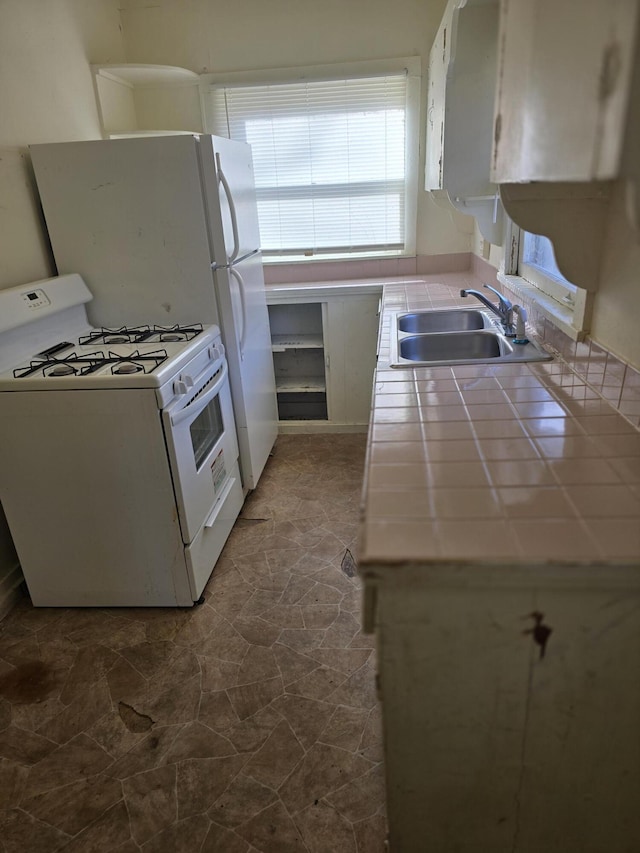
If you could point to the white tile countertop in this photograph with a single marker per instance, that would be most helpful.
(493, 464)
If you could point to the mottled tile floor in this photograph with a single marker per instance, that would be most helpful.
(248, 724)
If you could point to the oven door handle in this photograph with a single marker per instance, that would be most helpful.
(192, 411)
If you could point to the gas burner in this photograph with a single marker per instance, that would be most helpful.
(62, 369)
(116, 339)
(177, 333)
(135, 362)
(167, 334)
(127, 367)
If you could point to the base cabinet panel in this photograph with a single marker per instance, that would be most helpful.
(511, 718)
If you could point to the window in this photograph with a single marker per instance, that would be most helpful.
(531, 269)
(537, 263)
(333, 155)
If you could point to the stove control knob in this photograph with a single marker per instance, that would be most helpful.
(216, 352)
(183, 385)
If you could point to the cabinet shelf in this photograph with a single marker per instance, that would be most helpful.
(300, 384)
(281, 343)
(148, 75)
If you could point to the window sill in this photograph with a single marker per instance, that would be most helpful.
(564, 317)
(273, 260)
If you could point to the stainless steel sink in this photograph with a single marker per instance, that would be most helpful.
(452, 320)
(433, 338)
(451, 346)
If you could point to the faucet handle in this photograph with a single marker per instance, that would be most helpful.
(520, 331)
(505, 304)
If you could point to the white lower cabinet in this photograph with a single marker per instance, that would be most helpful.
(511, 708)
(324, 355)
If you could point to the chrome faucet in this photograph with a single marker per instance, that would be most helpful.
(504, 309)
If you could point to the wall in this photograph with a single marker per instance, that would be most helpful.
(46, 95)
(616, 310)
(247, 34)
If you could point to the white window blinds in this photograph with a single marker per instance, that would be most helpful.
(330, 161)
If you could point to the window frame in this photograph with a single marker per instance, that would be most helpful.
(348, 70)
(566, 305)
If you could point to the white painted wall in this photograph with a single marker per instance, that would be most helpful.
(46, 95)
(217, 36)
(616, 309)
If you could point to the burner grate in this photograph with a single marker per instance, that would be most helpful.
(141, 334)
(85, 364)
(72, 363)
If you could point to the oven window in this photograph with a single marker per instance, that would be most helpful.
(205, 431)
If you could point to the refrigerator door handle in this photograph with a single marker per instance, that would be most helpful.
(232, 209)
(243, 303)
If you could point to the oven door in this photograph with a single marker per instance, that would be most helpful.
(203, 449)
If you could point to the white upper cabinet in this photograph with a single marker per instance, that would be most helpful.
(566, 122)
(462, 78)
(147, 99)
(564, 76)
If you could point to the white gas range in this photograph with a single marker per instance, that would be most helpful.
(118, 451)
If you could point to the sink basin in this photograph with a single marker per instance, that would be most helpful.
(455, 346)
(454, 336)
(453, 320)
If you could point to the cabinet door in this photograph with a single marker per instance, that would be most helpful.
(563, 89)
(350, 339)
(438, 62)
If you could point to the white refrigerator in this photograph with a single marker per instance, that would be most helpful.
(165, 230)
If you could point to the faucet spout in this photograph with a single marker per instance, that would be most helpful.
(504, 309)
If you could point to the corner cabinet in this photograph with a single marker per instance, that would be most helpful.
(140, 100)
(324, 344)
(462, 76)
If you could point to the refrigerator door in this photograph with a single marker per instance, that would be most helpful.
(129, 216)
(227, 170)
(245, 331)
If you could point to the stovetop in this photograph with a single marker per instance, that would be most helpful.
(48, 343)
(138, 356)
